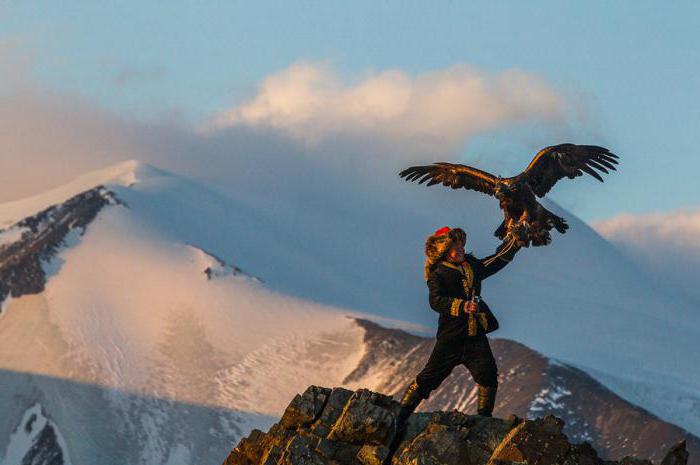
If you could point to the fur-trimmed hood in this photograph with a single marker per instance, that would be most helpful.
(437, 246)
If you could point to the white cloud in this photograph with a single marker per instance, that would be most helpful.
(47, 139)
(444, 107)
(676, 226)
(304, 133)
(666, 245)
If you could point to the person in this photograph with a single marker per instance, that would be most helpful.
(454, 281)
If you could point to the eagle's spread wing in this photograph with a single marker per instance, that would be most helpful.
(566, 160)
(453, 175)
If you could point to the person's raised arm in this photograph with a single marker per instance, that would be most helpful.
(495, 262)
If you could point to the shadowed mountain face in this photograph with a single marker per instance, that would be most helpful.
(339, 427)
(530, 386)
(51, 421)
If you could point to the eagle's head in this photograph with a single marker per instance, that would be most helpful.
(504, 189)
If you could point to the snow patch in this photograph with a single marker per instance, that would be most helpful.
(548, 400)
(24, 441)
(5, 304)
(678, 404)
(325, 357)
(214, 267)
(11, 235)
(179, 455)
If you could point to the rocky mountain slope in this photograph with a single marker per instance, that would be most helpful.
(326, 426)
(31, 243)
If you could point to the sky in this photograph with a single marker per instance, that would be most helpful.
(625, 75)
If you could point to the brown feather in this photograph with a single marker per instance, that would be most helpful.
(565, 160)
(452, 175)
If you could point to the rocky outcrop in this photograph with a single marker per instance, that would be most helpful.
(530, 386)
(38, 238)
(216, 267)
(337, 426)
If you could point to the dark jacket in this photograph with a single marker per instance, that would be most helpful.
(451, 285)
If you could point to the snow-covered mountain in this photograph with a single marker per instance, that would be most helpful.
(140, 346)
(163, 319)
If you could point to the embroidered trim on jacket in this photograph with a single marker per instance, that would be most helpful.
(455, 307)
(466, 271)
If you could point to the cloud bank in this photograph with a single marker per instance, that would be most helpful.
(303, 121)
(444, 107)
(665, 245)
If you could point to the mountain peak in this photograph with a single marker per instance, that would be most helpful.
(125, 173)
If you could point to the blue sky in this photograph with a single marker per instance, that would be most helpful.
(633, 67)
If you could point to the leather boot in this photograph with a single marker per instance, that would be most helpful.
(410, 400)
(487, 399)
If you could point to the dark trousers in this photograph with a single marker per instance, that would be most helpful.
(473, 352)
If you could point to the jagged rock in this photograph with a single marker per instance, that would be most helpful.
(339, 427)
(372, 455)
(676, 455)
(485, 436)
(332, 410)
(248, 451)
(305, 408)
(338, 451)
(43, 234)
(540, 441)
(582, 454)
(366, 418)
(437, 444)
(631, 460)
(301, 450)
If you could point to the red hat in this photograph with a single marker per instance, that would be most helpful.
(438, 245)
(441, 231)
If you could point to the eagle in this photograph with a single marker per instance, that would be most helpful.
(525, 221)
